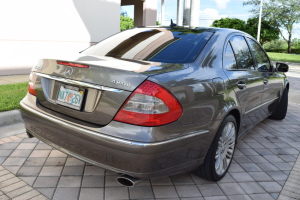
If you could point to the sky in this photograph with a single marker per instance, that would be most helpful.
(210, 10)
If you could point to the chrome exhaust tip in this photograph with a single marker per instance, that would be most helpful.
(128, 181)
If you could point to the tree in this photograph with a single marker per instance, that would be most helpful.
(268, 32)
(283, 14)
(233, 23)
(125, 21)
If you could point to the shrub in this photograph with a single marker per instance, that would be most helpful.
(276, 44)
(294, 50)
(277, 50)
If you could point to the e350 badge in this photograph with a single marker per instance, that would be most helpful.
(120, 83)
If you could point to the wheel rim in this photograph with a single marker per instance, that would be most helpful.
(225, 148)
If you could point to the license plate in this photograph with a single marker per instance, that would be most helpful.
(70, 97)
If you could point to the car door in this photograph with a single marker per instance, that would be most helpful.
(245, 80)
(272, 80)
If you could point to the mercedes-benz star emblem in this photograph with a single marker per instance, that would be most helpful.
(69, 71)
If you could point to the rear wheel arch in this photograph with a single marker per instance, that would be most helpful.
(236, 114)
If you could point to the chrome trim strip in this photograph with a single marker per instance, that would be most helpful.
(260, 105)
(106, 137)
(89, 85)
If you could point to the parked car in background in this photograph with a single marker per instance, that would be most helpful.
(151, 102)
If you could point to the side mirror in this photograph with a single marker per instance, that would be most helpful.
(282, 67)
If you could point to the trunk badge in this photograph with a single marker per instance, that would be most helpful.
(38, 67)
(69, 71)
(120, 83)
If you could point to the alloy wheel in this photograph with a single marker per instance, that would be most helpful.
(224, 152)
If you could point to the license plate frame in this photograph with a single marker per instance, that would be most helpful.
(70, 96)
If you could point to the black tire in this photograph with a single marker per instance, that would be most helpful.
(280, 111)
(208, 169)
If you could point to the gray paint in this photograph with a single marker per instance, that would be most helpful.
(206, 92)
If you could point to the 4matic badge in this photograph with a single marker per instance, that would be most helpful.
(120, 83)
(38, 67)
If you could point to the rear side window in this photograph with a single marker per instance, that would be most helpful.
(262, 61)
(242, 53)
(229, 61)
(159, 45)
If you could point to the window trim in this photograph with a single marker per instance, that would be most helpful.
(256, 64)
(224, 49)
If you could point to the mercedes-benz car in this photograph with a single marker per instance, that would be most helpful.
(156, 101)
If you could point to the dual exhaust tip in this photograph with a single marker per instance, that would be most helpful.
(128, 181)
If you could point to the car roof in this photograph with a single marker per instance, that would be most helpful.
(207, 29)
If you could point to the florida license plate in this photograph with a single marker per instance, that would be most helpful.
(70, 96)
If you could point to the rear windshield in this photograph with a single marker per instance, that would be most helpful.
(159, 45)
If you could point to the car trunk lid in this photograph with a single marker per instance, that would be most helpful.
(100, 85)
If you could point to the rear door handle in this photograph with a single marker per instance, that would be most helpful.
(266, 81)
(241, 85)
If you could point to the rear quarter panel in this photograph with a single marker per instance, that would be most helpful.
(205, 103)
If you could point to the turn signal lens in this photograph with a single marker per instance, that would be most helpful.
(150, 105)
(141, 103)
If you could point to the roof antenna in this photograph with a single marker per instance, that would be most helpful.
(172, 24)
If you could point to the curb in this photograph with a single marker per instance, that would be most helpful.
(12, 71)
(11, 123)
(10, 117)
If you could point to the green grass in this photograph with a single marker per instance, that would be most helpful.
(11, 95)
(284, 57)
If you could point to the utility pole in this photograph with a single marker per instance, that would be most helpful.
(179, 13)
(194, 13)
(162, 12)
(186, 13)
(259, 22)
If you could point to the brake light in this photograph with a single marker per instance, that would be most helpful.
(72, 64)
(150, 105)
(31, 89)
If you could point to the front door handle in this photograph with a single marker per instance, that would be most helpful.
(241, 85)
(266, 81)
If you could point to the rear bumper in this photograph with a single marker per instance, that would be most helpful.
(138, 159)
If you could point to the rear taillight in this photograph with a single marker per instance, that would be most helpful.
(150, 105)
(31, 88)
(72, 64)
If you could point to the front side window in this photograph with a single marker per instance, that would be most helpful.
(229, 59)
(262, 61)
(242, 53)
(154, 44)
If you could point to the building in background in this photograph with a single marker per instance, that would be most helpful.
(34, 29)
